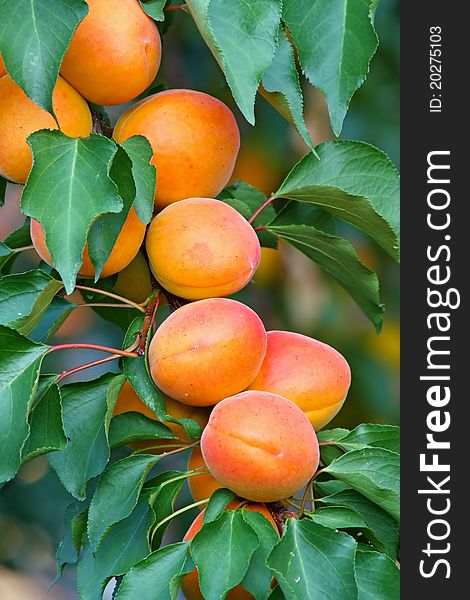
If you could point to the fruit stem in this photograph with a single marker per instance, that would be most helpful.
(261, 228)
(150, 313)
(114, 351)
(259, 210)
(138, 307)
(22, 249)
(175, 7)
(181, 511)
(156, 446)
(103, 305)
(89, 365)
(309, 487)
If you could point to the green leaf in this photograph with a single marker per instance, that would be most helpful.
(246, 35)
(140, 152)
(258, 578)
(383, 531)
(372, 435)
(354, 182)
(312, 562)
(52, 319)
(19, 237)
(69, 547)
(34, 35)
(335, 42)
(24, 297)
(151, 578)
(136, 373)
(117, 494)
(338, 517)
(373, 472)
(154, 8)
(338, 258)
(106, 229)
(217, 504)
(87, 408)
(281, 88)
(20, 362)
(67, 190)
(132, 427)
(377, 576)
(5, 254)
(125, 545)
(222, 551)
(47, 433)
(298, 213)
(332, 435)
(165, 489)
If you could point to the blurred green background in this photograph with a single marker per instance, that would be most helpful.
(289, 292)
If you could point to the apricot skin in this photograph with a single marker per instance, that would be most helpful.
(260, 445)
(216, 254)
(129, 401)
(19, 117)
(195, 140)
(308, 372)
(190, 584)
(200, 486)
(114, 54)
(207, 350)
(126, 247)
(3, 69)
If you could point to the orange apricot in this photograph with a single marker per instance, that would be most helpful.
(20, 116)
(200, 486)
(126, 247)
(216, 254)
(129, 401)
(260, 445)
(3, 69)
(190, 584)
(114, 54)
(207, 350)
(308, 372)
(134, 281)
(195, 142)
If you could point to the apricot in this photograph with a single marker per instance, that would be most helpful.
(260, 445)
(129, 401)
(306, 371)
(200, 486)
(114, 54)
(20, 116)
(216, 253)
(134, 281)
(207, 350)
(126, 247)
(190, 584)
(195, 142)
(3, 69)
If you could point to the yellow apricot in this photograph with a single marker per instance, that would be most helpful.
(200, 486)
(207, 350)
(195, 142)
(126, 247)
(134, 281)
(19, 117)
(308, 372)
(260, 445)
(202, 248)
(114, 54)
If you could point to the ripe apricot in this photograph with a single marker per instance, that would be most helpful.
(129, 401)
(190, 584)
(3, 69)
(260, 445)
(134, 281)
(207, 350)
(114, 54)
(195, 141)
(216, 253)
(306, 371)
(200, 486)
(19, 117)
(126, 247)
